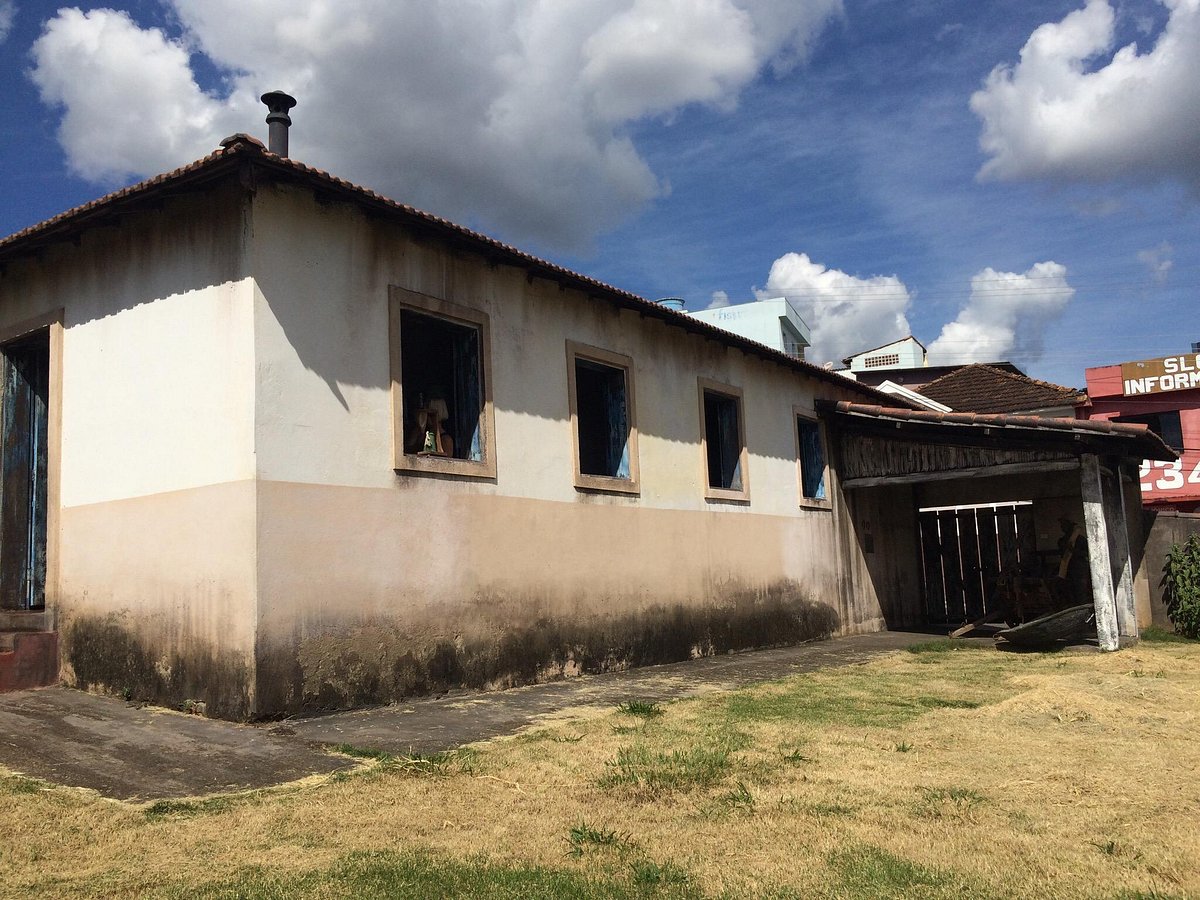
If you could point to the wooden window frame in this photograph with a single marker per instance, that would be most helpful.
(586, 482)
(400, 299)
(802, 413)
(734, 393)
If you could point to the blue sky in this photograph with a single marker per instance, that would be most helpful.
(707, 150)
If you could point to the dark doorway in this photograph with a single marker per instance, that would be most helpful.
(25, 368)
(966, 551)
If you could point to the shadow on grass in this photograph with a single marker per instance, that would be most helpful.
(870, 872)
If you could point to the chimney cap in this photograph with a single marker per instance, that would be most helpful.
(278, 101)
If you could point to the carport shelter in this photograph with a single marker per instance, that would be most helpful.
(894, 463)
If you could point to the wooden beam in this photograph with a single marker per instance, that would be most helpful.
(1024, 468)
(1098, 558)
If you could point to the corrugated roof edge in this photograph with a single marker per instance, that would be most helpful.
(1140, 433)
(242, 149)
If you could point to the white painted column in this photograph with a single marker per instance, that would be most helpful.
(1127, 624)
(1097, 538)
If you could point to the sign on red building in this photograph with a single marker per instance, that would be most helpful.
(1163, 394)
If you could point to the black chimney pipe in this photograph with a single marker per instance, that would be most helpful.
(278, 103)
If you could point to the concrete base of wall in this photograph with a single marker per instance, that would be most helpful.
(28, 659)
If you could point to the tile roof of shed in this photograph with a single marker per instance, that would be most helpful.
(986, 389)
(1144, 442)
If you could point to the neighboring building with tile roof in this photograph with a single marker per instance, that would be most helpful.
(984, 388)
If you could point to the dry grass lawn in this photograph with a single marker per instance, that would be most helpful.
(930, 774)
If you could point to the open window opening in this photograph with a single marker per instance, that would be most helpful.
(1165, 424)
(24, 397)
(443, 387)
(442, 415)
(603, 419)
(725, 447)
(811, 452)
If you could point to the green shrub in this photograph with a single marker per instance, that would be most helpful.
(1181, 580)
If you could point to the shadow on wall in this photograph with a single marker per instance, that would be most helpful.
(371, 664)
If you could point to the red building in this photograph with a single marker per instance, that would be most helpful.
(1163, 393)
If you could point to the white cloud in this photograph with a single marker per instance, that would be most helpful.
(845, 313)
(719, 299)
(1058, 113)
(131, 105)
(8, 12)
(1158, 260)
(1004, 317)
(509, 112)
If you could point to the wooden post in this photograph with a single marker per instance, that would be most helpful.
(1097, 538)
(1127, 624)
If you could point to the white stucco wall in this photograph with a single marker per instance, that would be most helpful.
(153, 470)
(345, 541)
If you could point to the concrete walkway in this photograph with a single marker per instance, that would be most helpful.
(131, 752)
(431, 725)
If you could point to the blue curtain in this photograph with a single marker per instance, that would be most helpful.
(812, 460)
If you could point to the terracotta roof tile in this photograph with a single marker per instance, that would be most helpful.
(987, 389)
(242, 147)
(1148, 444)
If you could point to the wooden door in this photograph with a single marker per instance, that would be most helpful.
(24, 394)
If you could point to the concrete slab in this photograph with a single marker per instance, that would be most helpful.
(129, 752)
(427, 726)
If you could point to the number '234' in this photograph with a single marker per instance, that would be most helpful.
(1170, 475)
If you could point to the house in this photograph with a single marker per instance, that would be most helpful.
(1164, 395)
(905, 353)
(774, 322)
(985, 388)
(275, 442)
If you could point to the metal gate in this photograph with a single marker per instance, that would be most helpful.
(965, 550)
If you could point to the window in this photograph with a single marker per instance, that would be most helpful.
(810, 455)
(724, 441)
(1165, 424)
(441, 392)
(601, 400)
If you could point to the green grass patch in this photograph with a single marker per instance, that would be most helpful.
(1156, 634)
(656, 770)
(583, 836)
(410, 876)
(183, 809)
(362, 752)
(654, 876)
(881, 703)
(646, 709)
(738, 800)
(796, 758)
(19, 784)
(944, 802)
(946, 645)
(871, 872)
